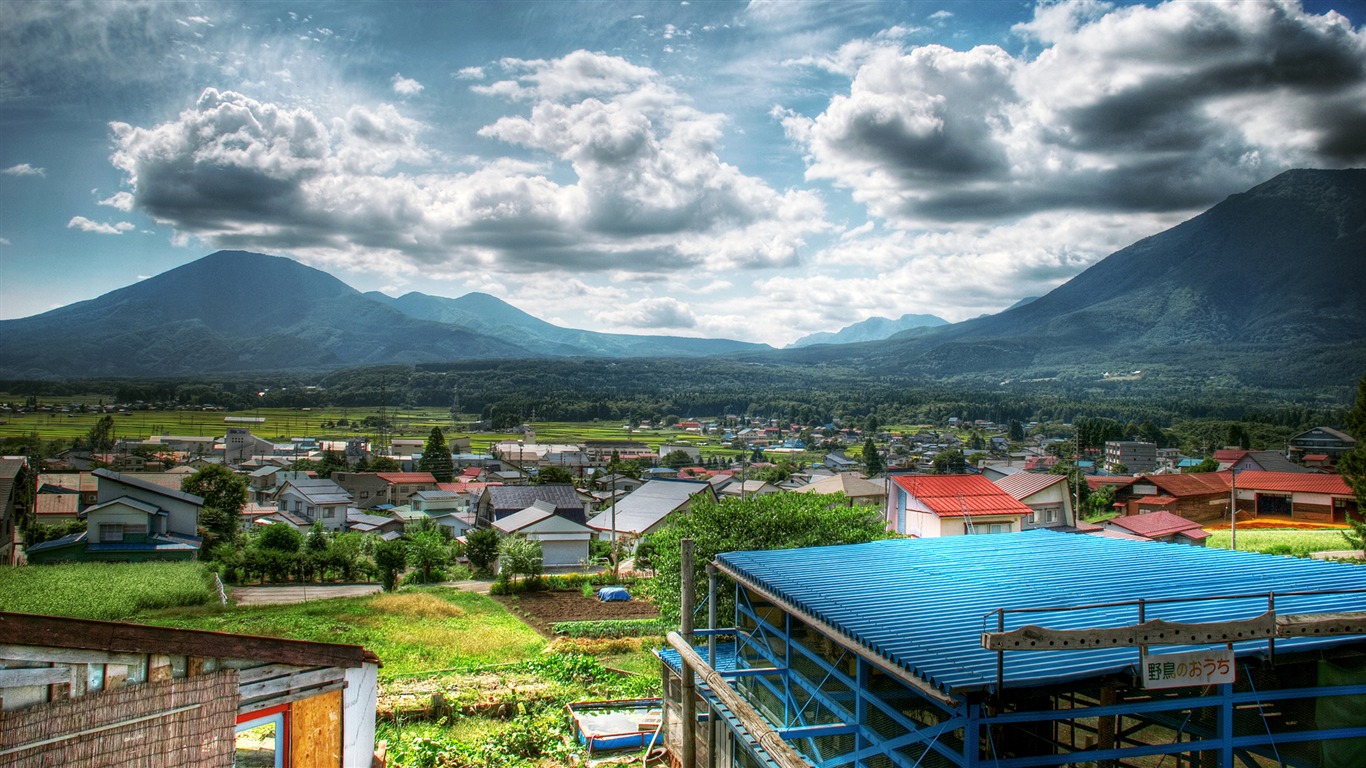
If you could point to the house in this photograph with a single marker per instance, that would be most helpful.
(616, 482)
(387, 528)
(1321, 440)
(1159, 526)
(1199, 496)
(925, 652)
(929, 506)
(1256, 461)
(261, 481)
(402, 485)
(315, 499)
(239, 445)
(748, 488)
(55, 508)
(1048, 496)
(499, 501)
(1130, 456)
(647, 508)
(133, 520)
(856, 489)
(16, 485)
(368, 490)
(438, 501)
(96, 693)
(1305, 496)
(564, 542)
(83, 484)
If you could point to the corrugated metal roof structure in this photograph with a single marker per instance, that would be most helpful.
(922, 604)
(956, 495)
(1293, 482)
(1023, 484)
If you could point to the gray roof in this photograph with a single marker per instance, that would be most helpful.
(144, 485)
(436, 495)
(533, 514)
(519, 497)
(650, 503)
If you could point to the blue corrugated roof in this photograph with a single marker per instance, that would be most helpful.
(921, 603)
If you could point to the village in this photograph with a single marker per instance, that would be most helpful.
(596, 511)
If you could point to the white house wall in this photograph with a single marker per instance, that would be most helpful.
(358, 716)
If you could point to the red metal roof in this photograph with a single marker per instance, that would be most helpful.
(1155, 525)
(1160, 501)
(956, 495)
(1192, 484)
(1230, 455)
(1293, 482)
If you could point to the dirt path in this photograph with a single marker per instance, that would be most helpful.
(302, 593)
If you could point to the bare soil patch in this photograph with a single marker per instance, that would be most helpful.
(540, 610)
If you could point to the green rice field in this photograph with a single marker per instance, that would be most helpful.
(103, 591)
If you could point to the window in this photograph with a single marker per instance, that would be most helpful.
(1051, 516)
(262, 738)
(111, 532)
(330, 512)
(365, 494)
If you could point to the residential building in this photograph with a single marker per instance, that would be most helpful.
(1256, 461)
(929, 506)
(564, 542)
(402, 485)
(1159, 525)
(132, 520)
(1130, 457)
(368, 490)
(55, 508)
(1199, 496)
(1321, 440)
(83, 484)
(646, 509)
(16, 491)
(496, 502)
(315, 499)
(1047, 496)
(239, 445)
(856, 489)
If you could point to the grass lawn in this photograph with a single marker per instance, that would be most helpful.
(412, 631)
(103, 591)
(1283, 542)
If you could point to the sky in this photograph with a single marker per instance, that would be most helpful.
(748, 170)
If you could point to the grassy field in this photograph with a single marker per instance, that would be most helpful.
(1283, 542)
(412, 631)
(103, 591)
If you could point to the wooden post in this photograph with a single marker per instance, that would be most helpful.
(711, 660)
(689, 685)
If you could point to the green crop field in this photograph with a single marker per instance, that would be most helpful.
(103, 591)
(1299, 543)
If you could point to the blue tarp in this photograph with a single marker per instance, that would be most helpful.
(613, 594)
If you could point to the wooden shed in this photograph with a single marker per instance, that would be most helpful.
(96, 693)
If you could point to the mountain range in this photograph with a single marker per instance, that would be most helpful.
(1258, 289)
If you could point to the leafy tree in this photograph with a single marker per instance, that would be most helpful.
(1208, 464)
(391, 557)
(316, 542)
(553, 475)
(281, 537)
(950, 462)
(225, 494)
(436, 457)
(769, 521)
(429, 554)
(872, 460)
(518, 556)
(1015, 431)
(677, 459)
(383, 464)
(481, 547)
(332, 461)
(1352, 466)
(101, 436)
(1238, 436)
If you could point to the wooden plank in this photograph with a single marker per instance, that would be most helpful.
(278, 685)
(22, 678)
(49, 655)
(759, 729)
(268, 671)
(1155, 632)
(116, 637)
(1315, 624)
(289, 697)
(194, 666)
(115, 676)
(158, 668)
(316, 731)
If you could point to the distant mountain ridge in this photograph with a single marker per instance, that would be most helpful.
(1264, 288)
(872, 329)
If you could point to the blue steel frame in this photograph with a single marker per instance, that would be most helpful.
(848, 713)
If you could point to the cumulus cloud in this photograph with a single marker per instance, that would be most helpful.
(24, 169)
(650, 313)
(405, 86)
(100, 228)
(1140, 109)
(123, 201)
(649, 194)
(470, 73)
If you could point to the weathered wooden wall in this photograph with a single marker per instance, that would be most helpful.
(316, 731)
(185, 723)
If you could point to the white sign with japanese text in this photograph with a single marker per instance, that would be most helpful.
(1178, 670)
